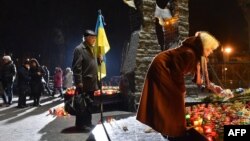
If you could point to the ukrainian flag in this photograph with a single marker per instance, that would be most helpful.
(102, 45)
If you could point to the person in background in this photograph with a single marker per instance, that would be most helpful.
(84, 66)
(1, 92)
(162, 103)
(46, 79)
(23, 83)
(8, 75)
(58, 80)
(68, 78)
(36, 74)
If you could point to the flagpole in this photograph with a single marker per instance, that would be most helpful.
(101, 93)
(101, 103)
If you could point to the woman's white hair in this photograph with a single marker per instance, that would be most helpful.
(208, 40)
(68, 69)
(7, 57)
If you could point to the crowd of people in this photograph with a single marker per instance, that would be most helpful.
(163, 90)
(31, 80)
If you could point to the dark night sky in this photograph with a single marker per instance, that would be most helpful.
(52, 28)
(223, 18)
(47, 28)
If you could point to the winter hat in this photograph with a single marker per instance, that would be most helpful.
(89, 33)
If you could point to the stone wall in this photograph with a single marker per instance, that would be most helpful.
(148, 44)
(183, 18)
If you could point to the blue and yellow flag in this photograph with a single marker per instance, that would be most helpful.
(102, 45)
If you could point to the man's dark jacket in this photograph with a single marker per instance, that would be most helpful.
(8, 73)
(84, 67)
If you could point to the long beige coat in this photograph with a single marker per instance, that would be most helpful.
(162, 104)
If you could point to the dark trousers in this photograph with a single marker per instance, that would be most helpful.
(36, 90)
(23, 92)
(36, 101)
(8, 93)
(85, 118)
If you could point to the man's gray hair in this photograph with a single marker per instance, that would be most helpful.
(7, 57)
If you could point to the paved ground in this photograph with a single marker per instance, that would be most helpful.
(36, 124)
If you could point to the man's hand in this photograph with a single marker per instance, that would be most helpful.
(99, 59)
(79, 88)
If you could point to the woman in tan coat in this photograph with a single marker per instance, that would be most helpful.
(162, 103)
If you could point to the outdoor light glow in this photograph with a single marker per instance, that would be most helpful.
(228, 50)
(167, 23)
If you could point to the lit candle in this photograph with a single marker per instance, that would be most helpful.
(187, 116)
(200, 121)
(196, 123)
(208, 130)
(209, 138)
(208, 116)
(213, 133)
(199, 129)
(227, 119)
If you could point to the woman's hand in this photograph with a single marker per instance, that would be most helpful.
(215, 88)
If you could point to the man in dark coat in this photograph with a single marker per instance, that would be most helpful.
(8, 74)
(84, 68)
(162, 103)
(23, 84)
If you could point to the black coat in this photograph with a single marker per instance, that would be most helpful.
(8, 73)
(23, 78)
(36, 80)
(84, 68)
